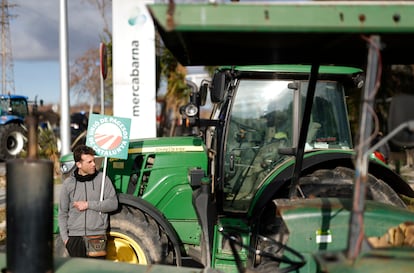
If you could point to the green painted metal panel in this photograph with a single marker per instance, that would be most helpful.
(285, 32)
(81, 265)
(321, 214)
(222, 256)
(189, 231)
(312, 16)
(323, 224)
(378, 261)
(287, 68)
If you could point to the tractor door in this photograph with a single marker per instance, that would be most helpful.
(259, 124)
(266, 116)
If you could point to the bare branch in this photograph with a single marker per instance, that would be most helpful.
(102, 7)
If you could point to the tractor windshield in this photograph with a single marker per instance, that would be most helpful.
(265, 117)
(15, 106)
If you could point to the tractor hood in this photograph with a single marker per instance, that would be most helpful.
(250, 33)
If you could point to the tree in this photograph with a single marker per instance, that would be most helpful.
(102, 7)
(85, 71)
(84, 76)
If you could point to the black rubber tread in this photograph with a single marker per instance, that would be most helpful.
(339, 182)
(5, 131)
(140, 227)
(145, 231)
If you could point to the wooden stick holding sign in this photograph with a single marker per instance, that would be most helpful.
(103, 178)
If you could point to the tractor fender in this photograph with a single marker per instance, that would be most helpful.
(322, 160)
(11, 119)
(376, 168)
(395, 181)
(145, 206)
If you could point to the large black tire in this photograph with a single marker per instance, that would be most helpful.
(13, 138)
(136, 237)
(339, 183)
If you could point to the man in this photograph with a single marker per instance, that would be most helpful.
(81, 212)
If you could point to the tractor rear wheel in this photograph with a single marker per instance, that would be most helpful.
(12, 140)
(339, 183)
(136, 238)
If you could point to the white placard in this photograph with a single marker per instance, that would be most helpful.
(133, 63)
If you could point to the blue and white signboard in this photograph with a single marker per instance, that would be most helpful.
(109, 135)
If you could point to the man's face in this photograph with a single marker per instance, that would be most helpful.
(86, 165)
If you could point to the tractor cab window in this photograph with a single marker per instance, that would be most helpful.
(16, 107)
(329, 125)
(260, 124)
(4, 104)
(265, 117)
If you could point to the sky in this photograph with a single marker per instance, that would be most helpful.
(34, 32)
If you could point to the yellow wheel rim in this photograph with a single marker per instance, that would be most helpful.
(122, 248)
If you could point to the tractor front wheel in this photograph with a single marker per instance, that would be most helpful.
(136, 238)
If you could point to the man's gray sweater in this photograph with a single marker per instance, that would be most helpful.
(94, 220)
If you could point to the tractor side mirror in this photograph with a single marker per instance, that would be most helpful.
(218, 87)
(203, 93)
(400, 112)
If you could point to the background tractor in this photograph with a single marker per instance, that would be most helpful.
(13, 133)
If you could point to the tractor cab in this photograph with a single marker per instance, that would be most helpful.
(263, 119)
(14, 105)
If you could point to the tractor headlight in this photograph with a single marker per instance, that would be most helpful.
(67, 163)
(66, 167)
(191, 110)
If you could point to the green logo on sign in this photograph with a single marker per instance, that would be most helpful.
(108, 135)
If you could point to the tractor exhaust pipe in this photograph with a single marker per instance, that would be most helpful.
(29, 209)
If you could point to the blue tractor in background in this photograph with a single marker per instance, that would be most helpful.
(13, 133)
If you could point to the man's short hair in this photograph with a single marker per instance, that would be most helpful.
(82, 150)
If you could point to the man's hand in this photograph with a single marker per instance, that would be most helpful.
(81, 205)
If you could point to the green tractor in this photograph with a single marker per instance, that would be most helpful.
(185, 197)
(269, 179)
